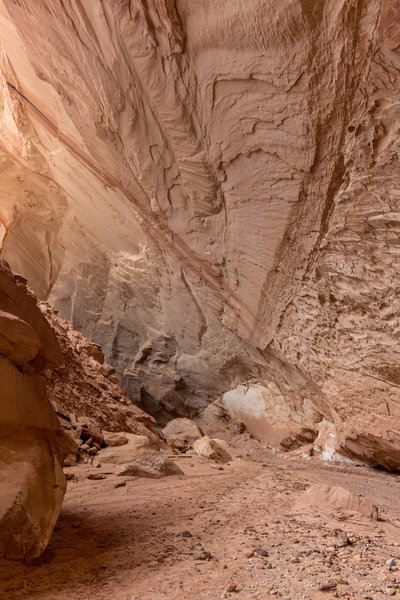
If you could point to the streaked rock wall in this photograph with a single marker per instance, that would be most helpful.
(209, 191)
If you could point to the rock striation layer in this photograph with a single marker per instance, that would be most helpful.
(210, 191)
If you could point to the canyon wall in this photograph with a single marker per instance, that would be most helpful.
(210, 191)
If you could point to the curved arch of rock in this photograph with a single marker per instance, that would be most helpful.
(210, 190)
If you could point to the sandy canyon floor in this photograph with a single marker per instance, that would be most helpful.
(203, 536)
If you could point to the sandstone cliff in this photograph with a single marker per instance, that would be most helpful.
(210, 191)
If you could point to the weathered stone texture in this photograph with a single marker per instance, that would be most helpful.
(210, 191)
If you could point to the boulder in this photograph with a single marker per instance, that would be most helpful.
(278, 417)
(21, 337)
(150, 464)
(32, 448)
(112, 438)
(180, 434)
(324, 495)
(32, 486)
(18, 301)
(89, 430)
(32, 443)
(211, 449)
(136, 445)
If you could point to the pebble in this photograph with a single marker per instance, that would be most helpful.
(120, 484)
(184, 534)
(295, 559)
(260, 551)
(390, 563)
(325, 587)
(95, 476)
(341, 581)
(203, 555)
(232, 587)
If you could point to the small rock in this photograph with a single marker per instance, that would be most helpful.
(232, 587)
(95, 476)
(341, 581)
(295, 559)
(325, 587)
(260, 551)
(390, 563)
(114, 439)
(69, 476)
(248, 554)
(120, 484)
(202, 555)
(184, 534)
(106, 370)
(70, 460)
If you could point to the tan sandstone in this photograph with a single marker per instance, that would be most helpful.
(210, 192)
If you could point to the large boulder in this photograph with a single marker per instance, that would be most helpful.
(150, 464)
(32, 443)
(22, 339)
(180, 434)
(119, 455)
(31, 494)
(211, 449)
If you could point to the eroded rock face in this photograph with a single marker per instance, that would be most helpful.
(209, 190)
